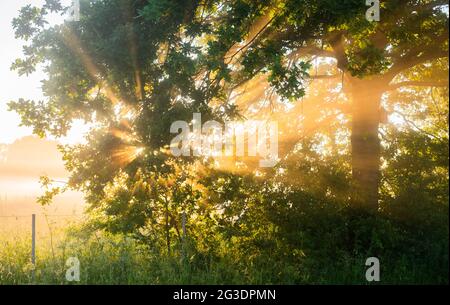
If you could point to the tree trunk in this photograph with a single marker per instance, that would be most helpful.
(365, 143)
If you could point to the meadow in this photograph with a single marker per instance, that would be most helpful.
(358, 154)
(107, 258)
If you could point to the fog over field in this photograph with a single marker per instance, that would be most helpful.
(21, 165)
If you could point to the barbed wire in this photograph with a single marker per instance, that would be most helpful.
(46, 215)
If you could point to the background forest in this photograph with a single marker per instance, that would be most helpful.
(362, 111)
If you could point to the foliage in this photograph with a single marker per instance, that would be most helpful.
(134, 67)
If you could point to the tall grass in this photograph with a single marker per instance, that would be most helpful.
(119, 259)
(104, 259)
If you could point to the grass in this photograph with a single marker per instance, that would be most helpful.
(410, 258)
(118, 259)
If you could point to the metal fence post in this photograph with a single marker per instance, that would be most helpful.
(183, 225)
(33, 243)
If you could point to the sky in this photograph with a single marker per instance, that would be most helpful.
(13, 87)
(25, 158)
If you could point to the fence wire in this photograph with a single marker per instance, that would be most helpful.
(49, 227)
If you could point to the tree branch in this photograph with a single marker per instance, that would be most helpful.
(230, 58)
(325, 76)
(417, 84)
(312, 50)
(406, 63)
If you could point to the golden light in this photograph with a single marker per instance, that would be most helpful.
(126, 154)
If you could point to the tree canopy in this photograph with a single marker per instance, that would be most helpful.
(328, 76)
